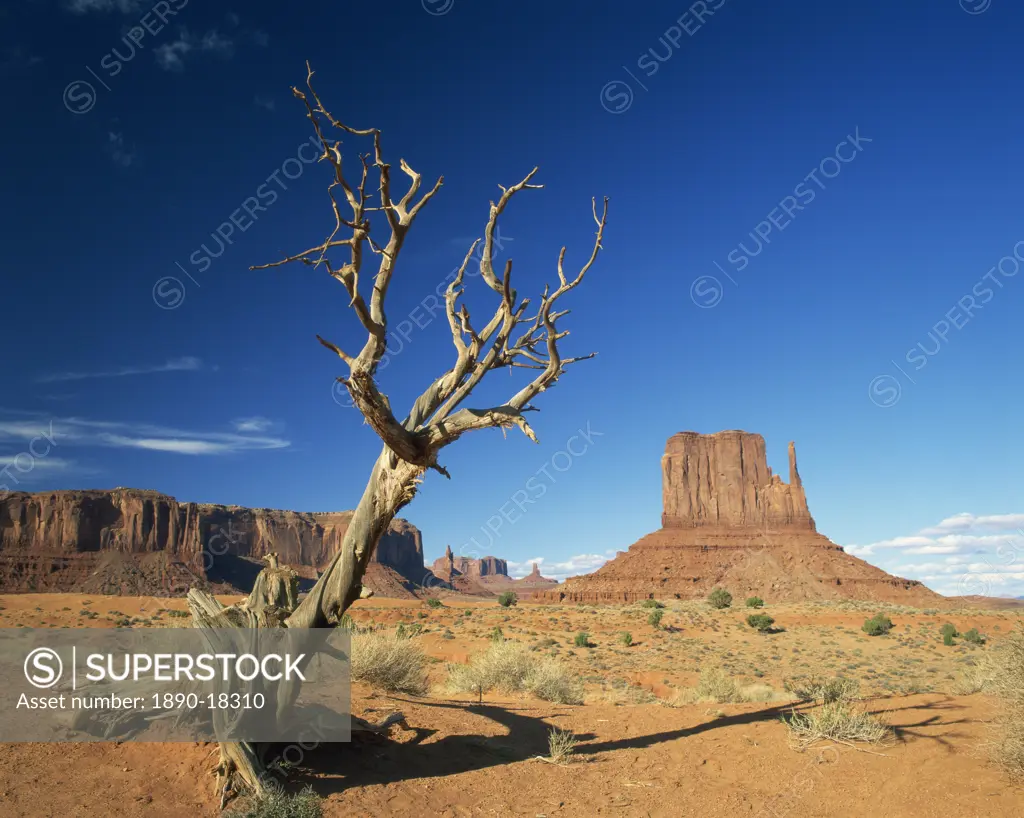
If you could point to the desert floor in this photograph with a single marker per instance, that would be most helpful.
(637, 756)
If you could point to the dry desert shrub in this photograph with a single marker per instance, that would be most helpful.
(388, 662)
(759, 693)
(970, 680)
(550, 681)
(824, 691)
(276, 803)
(510, 667)
(715, 686)
(561, 744)
(621, 693)
(1002, 675)
(837, 721)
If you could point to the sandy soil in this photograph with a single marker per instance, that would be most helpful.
(636, 757)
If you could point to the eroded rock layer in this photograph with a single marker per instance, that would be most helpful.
(133, 541)
(486, 576)
(729, 522)
(450, 567)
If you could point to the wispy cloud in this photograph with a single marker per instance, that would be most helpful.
(254, 424)
(983, 554)
(119, 152)
(171, 56)
(103, 6)
(266, 103)
(186, 364)
(578, 564)
(17, 59)
(25, 463)
(72, 431)
(968, 522)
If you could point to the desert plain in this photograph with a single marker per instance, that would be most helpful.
(650, 741)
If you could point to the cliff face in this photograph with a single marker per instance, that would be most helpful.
(728, 521)
(55, 540)
(724, 480)
(486, 576)
(449, 567)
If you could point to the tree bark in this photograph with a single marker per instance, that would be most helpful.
(392, 484)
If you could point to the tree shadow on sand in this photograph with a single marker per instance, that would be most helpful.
(376, 760)
(906, 732)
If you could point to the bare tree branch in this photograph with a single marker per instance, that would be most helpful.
(436, 418)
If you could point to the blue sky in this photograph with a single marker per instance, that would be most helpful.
(814, 213)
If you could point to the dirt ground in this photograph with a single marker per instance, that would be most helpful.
(635, 756)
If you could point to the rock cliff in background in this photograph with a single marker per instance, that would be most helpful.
(450, 567)
(533, 582)
(486, 576)
(728, 521)
(142, 542)
(724, 480)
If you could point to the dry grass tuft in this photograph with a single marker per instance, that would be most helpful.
(621, 693)
(561, 744)
(276, 803)
(388, 662)
(759, 693)
(837, 721)
(825, 691)
(551, 681)
(1002, 675)
(510, 667)
(715, 686)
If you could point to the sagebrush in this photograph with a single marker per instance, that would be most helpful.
(510, 667)
(274, 802)
(389, 662)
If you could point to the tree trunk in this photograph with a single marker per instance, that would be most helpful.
(391, 486)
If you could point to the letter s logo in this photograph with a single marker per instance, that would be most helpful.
(42, 661)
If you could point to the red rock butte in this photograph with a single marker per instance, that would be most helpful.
(139, 542)
(486, 576)
(729, 522)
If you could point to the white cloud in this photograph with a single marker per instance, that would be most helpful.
(24, 463)
(113, 434)
(122, 155)
(968, 522)
(254, 424)
(264, 102)
(17, 59)
(168, 445)
(170, 56)
(85, 6)
(186, 364)
(985, 555)
(578, 564)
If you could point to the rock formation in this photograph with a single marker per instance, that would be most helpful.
(724, 480)
(486, 576)
(142, 542)
(728, 521)
(533, 582)
(450, 567)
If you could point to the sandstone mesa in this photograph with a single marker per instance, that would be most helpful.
(729, 522)
(139, 542)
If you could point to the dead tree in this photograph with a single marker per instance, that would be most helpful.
(509, 338)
